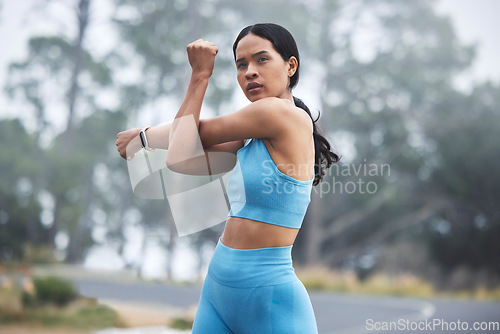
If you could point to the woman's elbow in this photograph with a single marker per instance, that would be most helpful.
(192, 166)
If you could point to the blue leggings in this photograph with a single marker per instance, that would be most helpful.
(253, 291)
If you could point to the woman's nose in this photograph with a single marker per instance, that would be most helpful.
(251, 72)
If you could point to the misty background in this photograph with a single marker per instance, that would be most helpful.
(412, 85)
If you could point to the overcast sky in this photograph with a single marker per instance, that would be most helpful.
(476, 21)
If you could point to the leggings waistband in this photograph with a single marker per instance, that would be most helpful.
(252, 267)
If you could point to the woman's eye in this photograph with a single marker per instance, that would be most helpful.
(241, 65)
(262, 59)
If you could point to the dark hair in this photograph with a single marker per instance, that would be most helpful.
(285, 45)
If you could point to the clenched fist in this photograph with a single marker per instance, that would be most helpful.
(128, 143)
(201, 55)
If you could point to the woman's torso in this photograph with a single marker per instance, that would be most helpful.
(294, 156)
(242, 233)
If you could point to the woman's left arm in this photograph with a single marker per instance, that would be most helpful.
(184, 141)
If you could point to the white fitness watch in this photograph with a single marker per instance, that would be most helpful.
(144, 140)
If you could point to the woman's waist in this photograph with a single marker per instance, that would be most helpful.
(251, 267)
(243, 233)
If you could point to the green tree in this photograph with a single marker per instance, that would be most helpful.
(61, 75)
(20, 162)
(391, 96)
(462, 239)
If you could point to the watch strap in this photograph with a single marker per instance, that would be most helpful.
(144, 139)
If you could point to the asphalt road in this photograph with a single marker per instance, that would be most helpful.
(335, 313)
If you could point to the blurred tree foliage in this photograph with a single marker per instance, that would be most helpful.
(60, 79)
(397, 105)
(391, 95)
(418, 184)
(19, 207)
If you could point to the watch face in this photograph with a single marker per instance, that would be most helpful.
(143, 140)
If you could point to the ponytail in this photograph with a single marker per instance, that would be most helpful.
(324, 157)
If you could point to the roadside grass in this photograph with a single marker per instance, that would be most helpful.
(404, 285)
(80, 314)
(86, 316)
(181, 323)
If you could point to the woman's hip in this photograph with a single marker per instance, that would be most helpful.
(246, 268)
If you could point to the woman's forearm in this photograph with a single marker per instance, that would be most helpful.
(201, 56)
(158, 136)
(184, 140)
(193, 100)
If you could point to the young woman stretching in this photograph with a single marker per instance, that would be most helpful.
(251, 286)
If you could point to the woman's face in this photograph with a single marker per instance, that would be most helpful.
(261, 71)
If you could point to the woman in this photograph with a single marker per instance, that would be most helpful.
(251, 286)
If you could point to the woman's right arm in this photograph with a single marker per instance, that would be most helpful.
(128, 144)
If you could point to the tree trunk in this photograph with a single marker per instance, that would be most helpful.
(404, 221)
(83, 19)
(357, 216)
(170, 247)
(80, 236)
(314, 231)
(67, 137)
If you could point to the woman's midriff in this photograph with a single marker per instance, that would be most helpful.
(242, 233)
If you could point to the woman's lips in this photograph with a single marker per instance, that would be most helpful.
(254, 87)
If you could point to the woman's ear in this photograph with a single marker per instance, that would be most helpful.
(292, 66)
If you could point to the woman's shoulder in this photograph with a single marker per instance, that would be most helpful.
(297, 116)
(283, 109)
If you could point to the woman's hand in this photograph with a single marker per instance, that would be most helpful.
(201, 55)
(128, 143)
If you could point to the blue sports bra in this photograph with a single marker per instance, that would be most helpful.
(258, 190)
